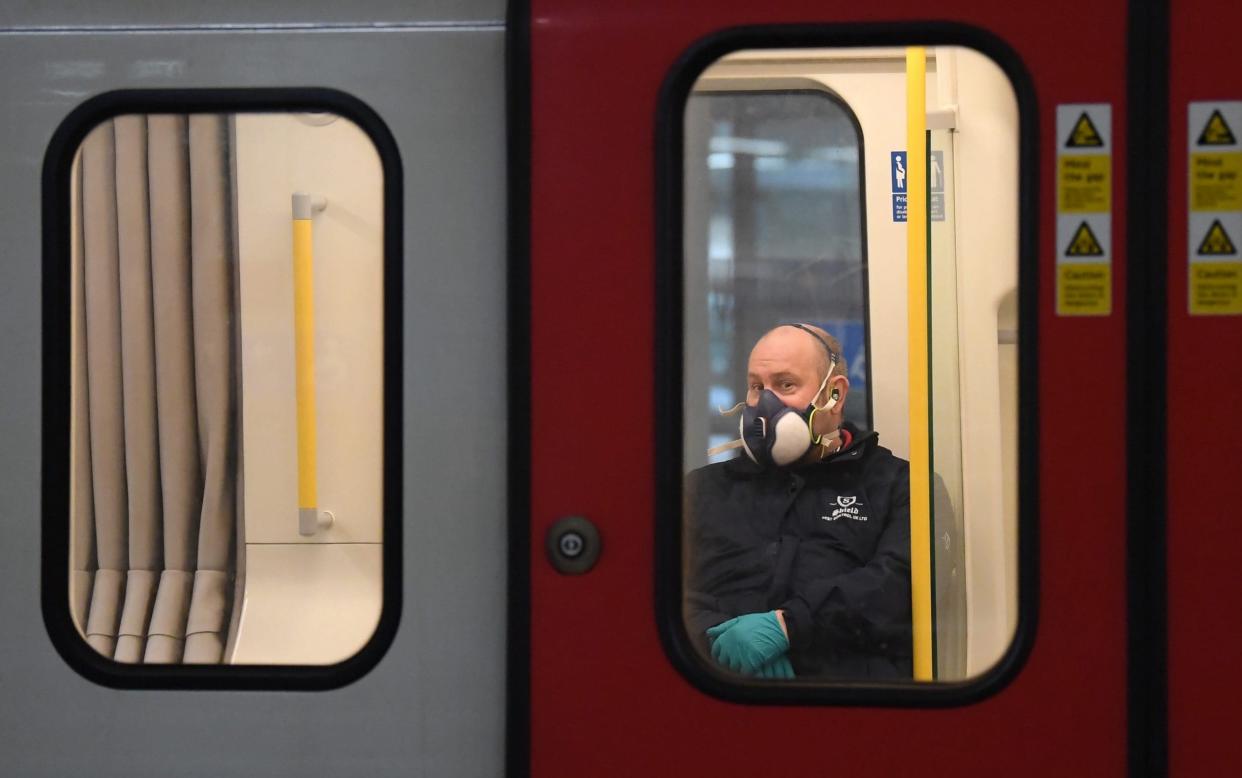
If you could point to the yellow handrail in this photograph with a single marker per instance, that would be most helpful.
(917, 323)
(304, 206)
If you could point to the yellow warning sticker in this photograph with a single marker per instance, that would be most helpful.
(1084, 209)
(1216, 242)
(1084, 185)
(1084, 290)
(1214, 200)
(1216, 132)
(1216, 181)
(1084, 243)
(1216, 288)
(1084, 135)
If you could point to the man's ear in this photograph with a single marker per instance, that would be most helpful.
(838, 387)
(829, 421)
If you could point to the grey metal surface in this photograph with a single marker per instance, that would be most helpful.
(434, 705)
(194, 13)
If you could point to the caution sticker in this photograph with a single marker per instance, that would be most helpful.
(1084, 209)
(1215, 288)
(1214, 194)
(1084, 264)
(1215, 266)
(1083, 289)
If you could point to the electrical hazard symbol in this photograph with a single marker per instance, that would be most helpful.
(1084, 243)
(1084, 134)
(1216, 132)
(1216, 243)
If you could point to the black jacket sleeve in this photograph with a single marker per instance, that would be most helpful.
(866, 609)
(701, 606)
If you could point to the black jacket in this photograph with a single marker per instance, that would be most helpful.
(829, 542)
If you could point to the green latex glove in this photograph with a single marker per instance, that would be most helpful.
(779, 669)
(748, 642)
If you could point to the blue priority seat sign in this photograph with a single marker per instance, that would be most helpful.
(898, 178)
(899, 185)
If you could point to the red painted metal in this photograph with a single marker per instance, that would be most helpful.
(605, 699)
(1204, 449)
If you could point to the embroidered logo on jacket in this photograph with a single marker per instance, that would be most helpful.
(845, 507)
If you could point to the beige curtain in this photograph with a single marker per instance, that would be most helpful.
(155, 403)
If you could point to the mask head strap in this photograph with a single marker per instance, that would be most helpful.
(832, 361)
(832, 355)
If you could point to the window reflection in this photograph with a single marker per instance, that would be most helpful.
(779, 177)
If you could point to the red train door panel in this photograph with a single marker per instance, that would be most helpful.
(1204, 338)
(604, 696)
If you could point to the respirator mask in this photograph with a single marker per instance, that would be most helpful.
(775, 435)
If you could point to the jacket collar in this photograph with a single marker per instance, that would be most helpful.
(860, 443)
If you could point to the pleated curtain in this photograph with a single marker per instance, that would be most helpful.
(155, 398)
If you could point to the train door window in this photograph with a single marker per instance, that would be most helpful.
(227, 366)
(849, 388)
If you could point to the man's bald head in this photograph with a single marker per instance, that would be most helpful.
(822, 340)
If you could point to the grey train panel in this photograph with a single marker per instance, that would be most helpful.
(434, 704)
(183, 13)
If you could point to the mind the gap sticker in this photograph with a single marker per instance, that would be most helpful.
(1214, 220)
(1084, 209)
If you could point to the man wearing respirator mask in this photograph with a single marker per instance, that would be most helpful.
(799, 548)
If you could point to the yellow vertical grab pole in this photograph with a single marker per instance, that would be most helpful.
(304, 206)
(916, 306)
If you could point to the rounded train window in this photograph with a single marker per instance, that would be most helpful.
(228, 452)
(849, 252)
